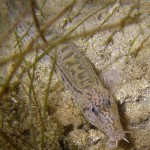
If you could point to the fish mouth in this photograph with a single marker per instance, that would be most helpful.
(113, 143)
(117, 136)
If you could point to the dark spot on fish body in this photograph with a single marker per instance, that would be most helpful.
(106, 103)
(64, 49)
(89, 94)
(82, 82)
(110, 127)
(81, 75)
(85, 109)
(76, 71)
(71, 62)
(68, 55)
(73, 72)
(68, 81)
(63, 79)
(81, 67)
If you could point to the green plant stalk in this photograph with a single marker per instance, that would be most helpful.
(46, 100)
(35, 19)
(31, 87)
(31, 90)
(141, 45)
(31, 77)
(23, 54)
(20, 39)
(42, 7)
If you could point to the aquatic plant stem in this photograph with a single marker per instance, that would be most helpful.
(46, 100)
(25, 52)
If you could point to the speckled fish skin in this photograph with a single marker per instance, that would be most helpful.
(95, 102)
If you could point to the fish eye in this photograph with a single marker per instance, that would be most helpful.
(95, 110)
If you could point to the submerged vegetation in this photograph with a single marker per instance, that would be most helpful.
(29, 93)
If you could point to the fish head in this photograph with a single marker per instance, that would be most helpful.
(100, 109)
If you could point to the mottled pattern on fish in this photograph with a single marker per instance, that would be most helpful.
(75, 68)
(95, 102)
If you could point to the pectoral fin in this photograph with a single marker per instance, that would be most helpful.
(110, 80)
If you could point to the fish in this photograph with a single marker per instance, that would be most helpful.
(93, 99)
